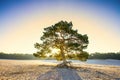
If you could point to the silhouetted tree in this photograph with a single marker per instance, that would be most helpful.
(16, 56)
(109, 55)
(61, 36)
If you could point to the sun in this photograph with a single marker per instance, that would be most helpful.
(55, 50)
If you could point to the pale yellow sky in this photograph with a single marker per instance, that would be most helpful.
(22, 38)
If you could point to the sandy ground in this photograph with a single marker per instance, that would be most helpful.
(33, 70)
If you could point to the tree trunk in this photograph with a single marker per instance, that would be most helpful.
(64, 63)
(62, 54)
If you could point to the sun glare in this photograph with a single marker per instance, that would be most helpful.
(55, 50)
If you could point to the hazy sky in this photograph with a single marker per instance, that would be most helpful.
(22, 22)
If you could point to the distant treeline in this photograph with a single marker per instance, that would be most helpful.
(110, 55)
(96, 55)
(16, 56)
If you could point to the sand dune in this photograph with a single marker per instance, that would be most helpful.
(38, 70)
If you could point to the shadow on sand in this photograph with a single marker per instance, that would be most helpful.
(60, 74)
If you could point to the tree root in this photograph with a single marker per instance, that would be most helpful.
(66, 64)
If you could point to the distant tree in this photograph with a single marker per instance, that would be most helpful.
(109, 55)
(19, 56)
(68, 42)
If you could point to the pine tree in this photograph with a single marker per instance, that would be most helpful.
(68, 42)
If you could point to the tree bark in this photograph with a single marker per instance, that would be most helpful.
(62, 54)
